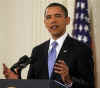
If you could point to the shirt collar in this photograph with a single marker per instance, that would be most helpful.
(59, 40)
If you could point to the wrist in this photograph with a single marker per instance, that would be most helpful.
(68, 80)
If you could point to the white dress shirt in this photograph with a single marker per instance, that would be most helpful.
(60, 42)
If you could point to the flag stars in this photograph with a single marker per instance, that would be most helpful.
(79, 37)
(75, 26)
(82, 5)
(82, 22)
(82, 16)
(80, 27)
(85, 39)
(78, 4)
(86, 27)
(77, 15)
(86, 18)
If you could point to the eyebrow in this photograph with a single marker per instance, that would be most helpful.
(54, 14)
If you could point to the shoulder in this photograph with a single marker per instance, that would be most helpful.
(42, 45)
(79, 45)
(39, 50)
(80, 49)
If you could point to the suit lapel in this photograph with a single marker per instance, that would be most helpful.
(62, 54)
(65, 48)
(45, 65)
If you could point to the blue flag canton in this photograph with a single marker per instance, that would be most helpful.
(81, 30)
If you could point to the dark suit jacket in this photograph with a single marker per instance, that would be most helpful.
(76, 55)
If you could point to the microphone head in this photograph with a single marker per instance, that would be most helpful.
(22, 63)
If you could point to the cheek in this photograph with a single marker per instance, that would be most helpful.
(63, 23)
(47, 27)
(47, 24)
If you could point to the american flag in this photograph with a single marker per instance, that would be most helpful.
(81, 30)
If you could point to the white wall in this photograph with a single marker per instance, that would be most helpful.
(15, 30)
(96, 24)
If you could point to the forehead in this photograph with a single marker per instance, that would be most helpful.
(53, 10)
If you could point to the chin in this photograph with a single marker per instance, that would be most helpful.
(56, 35)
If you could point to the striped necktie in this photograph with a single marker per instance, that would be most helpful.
(52, 58)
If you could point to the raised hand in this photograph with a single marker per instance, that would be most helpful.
(8, 73)
(62, 69)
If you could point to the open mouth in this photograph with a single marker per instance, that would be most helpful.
(54, 27)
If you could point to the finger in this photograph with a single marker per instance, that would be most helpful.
(64, 68)
(60, 61)
(6, 70)
(16, 70)
(5, 67)
(59, 65)
(58, 72)
(62, 73)
(58, 68)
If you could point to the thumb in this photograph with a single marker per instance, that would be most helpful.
(5, 67)
(16, 70)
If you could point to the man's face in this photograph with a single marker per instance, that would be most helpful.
(55, 21)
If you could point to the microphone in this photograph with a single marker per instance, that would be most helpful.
(22, 63)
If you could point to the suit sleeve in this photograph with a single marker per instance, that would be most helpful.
(85, 69)
(32, 72)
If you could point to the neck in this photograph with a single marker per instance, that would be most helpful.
(55, 37)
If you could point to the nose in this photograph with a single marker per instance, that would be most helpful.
(53, 20)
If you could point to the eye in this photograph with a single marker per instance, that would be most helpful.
(48, 17)
(58, 15)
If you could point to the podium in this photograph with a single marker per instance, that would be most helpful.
(5, 83)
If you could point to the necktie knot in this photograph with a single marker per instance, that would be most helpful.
(54, 44)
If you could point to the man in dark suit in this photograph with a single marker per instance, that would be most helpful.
(73, 63)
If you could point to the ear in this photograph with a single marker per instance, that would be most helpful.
(44, 20)
(67, 20)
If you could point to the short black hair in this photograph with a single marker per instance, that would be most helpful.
(60, 5)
